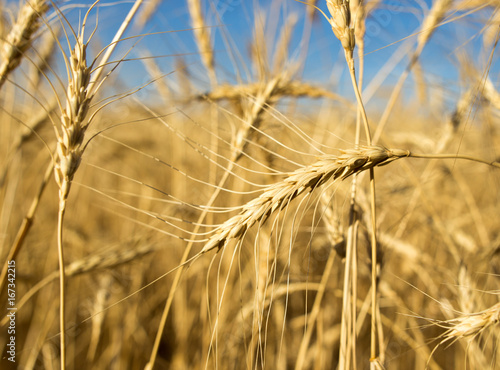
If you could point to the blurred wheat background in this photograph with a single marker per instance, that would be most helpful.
(204, 179)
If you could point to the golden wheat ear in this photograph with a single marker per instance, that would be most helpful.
(20, 36)
(302, 181)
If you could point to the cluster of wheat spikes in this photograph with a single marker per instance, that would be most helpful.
(225, 212)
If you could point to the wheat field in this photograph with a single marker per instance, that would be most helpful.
(250, 184)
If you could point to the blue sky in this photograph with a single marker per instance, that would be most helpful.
(389, 29)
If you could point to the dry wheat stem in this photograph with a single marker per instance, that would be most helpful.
(456, 156)
(97, 81)
(26, 224)
(348, 332)
(302, 181)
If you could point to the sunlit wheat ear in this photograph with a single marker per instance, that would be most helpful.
(471, 324)
(73, 119)
(290, 88)
(302, 181)
(19, 38)
(358, 11)
(341, 24)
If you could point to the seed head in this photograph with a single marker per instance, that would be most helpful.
(341, 23)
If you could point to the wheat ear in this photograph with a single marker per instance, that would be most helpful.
(469, 325)
(472, 324)
(202, 35)
(19, 38)
(105, 260)
(285, 88)
(302, 181)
